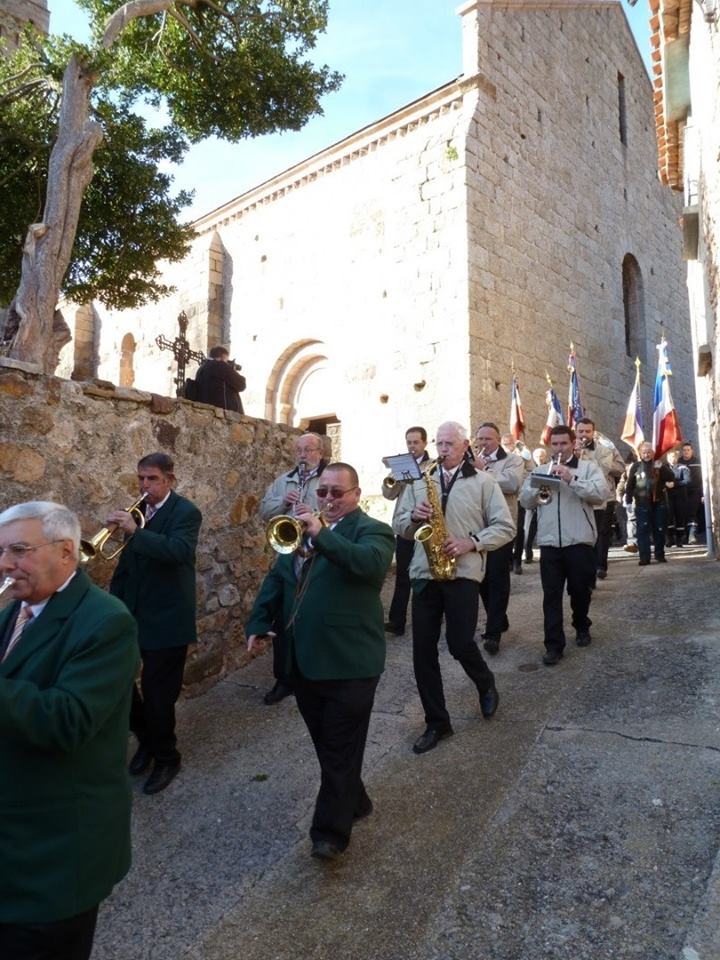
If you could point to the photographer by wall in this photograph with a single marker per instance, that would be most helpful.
(220, 382)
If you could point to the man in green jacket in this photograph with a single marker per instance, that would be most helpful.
(68, 655)
(155, 577)
(327, 595)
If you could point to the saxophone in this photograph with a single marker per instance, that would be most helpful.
(432, 535)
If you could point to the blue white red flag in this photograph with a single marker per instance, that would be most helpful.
(666, 427)
(575, 410)
(554, 417)
(517, 418)
(632, 431)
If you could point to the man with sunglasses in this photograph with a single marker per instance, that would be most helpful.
(68, 655)
(282, 497)
(326, 597)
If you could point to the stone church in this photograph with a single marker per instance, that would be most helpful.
(398, 276)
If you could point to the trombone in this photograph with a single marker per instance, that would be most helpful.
(90, 549)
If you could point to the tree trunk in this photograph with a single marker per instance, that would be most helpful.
(48, 245)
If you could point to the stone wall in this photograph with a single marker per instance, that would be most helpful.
(79, 443)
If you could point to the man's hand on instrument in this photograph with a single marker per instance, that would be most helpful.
(125, 521)
(457, 546)
(292, 497)
(423, 511)
(311, 520)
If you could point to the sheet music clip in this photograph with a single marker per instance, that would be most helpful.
(547, 480)
(403, 467)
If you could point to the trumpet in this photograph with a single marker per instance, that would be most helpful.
(90, 549)
(545, 494)
(285, 533)
(6, 584)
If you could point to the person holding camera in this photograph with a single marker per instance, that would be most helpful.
(219, 381)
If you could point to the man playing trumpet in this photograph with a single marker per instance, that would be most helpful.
(155, 576)
(327, 601)
(566, 535)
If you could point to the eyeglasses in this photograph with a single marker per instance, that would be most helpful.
(335, 492)
(18, 551)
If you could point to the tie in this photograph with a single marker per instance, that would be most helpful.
(22, 619)
(149, 513)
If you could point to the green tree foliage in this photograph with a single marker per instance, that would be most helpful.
(229, 68)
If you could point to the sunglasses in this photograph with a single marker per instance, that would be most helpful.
(335, 492)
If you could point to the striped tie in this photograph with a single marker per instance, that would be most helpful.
(22, 619)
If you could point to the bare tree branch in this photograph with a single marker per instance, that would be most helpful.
(131, 11)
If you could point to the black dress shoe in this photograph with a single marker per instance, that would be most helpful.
(278, 693)
(394, 628)
(140, 762)
(552, 657)
(643, 563)
(489, 702)
(364, 810)
(492, 645)
(583, 638)
(517, 567)
(162, 775)
(430, 739)
(602, 574)
(324, 850)
(529, 558)
(660, 559)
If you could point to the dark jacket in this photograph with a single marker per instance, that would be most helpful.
(646, 483)
(219, 383)
(337, 630)
(64, 790)
(155, 575)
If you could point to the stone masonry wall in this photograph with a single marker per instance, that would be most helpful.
(556, 203)
(79, 443)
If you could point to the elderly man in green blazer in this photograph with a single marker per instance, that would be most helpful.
(327, 595)
(155, 577)
(68, 655)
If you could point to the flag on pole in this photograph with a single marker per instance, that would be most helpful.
(554, 417)
(517, 418)
(575, 410)
(666, 426)
(632, 431)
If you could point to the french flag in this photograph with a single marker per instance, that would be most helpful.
(632, 431)
(517, 418)
(554, 417)
(666, 426)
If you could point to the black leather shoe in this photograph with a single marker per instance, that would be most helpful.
(643, 563)
(660, 559)
(140, 762)
(602, 574)
(430, 739)
(278, 693)
(162, 775)
(364, 810)
(489, 702)
(583, 638)
(552, 657)
(324, 850)
(492, 645)
(394, 628)
(529, 558)
(517, 567)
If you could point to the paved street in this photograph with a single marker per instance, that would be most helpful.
(581, 823)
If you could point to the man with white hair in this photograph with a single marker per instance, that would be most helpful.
(471, 510)
(68, 655)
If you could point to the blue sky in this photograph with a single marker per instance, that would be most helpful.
(390, 51)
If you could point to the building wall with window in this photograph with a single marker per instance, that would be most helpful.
(396, 277)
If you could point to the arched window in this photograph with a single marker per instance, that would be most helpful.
(634, 308)
(127, 359)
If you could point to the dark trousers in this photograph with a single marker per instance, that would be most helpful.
(602, 544)
(495, 589)
(532, 533)
(677, 516)
(69, 939)
(280, 654)
(152, 714)
(575, 566)
(519, 541)
(401, 595)
(457, 601)
(650, 520)
(337, 714)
